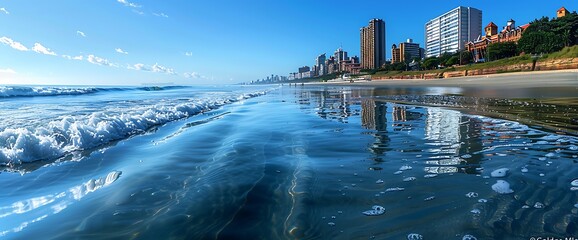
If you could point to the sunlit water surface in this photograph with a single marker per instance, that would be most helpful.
(279, 163)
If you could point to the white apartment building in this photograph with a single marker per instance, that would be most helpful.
(452, 30)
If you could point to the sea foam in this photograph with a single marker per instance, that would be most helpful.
(74, 133)
(23, 91)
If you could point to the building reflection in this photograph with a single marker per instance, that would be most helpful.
(334, 105)
(443, 138)
(451, 137)
(373, 117)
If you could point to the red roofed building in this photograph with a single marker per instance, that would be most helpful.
(478, 48)
(562, 12)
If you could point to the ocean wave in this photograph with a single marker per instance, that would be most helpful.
(69, 134)
(23, 91)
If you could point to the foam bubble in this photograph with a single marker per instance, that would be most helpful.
(501, 172)
(472, 195)
(469, 237)
(502, 187)
(538, 205)
(395, 189)
(376, 210)
(405, 167)
(414, 236)
(409, 179)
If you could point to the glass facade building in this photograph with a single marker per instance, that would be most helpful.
(452, 30)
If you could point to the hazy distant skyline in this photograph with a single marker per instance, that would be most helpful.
(129, 42)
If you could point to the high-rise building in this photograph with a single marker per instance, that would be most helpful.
(372, 38)
(355, 59)
(421, 53)
(320, 65)
(395, 54)
(340, 55)
(452, 30)
(408, 50)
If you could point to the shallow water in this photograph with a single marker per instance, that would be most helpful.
(295, 163)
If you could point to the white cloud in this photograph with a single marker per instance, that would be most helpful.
(13, 44)
(161, 69)
(4, 10)
(81, 33)
(41, 49)
(98, 61)
(161, 15)
(141, 67)
(128, 4)
(154, 68)
(73, 58)
(192, 75)
(119, 50)
(7, 70)
(189, 54)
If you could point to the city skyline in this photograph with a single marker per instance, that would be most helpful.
(120, 42)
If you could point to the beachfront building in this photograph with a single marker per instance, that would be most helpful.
(304, 72)
(409, 50)
(395, 54)
(562, 12)
(350, 66)
(406, 52)
(332, 65)
(450, 31)
(320, 65)
(372, 38)
(340, 55)
(510, 33)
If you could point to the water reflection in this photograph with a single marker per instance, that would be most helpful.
(436, 163)
(373, 117)
(15, 217)
(333, 105)
(445, 135)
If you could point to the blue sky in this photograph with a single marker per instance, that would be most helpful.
(132, 42)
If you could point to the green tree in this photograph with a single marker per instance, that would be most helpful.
(398, 66)
(546, 35)
(502, 50)
(465, 57)
(540, 42)
(453, 60)
(445, 57)
(431, 63)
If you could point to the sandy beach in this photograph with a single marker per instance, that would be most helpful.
(557, 78)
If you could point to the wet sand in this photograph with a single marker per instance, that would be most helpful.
(548, 99)
(559, 78)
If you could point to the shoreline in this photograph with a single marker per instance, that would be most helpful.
(547, 78)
